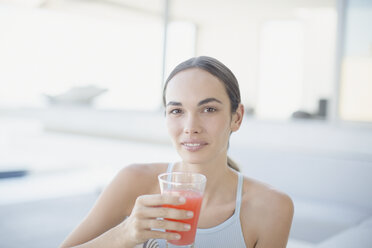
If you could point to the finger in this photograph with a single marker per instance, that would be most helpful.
(154, 234)
(162, 212)
(158, 200)
(166, 224)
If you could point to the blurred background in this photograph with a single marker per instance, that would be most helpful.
(80, 98)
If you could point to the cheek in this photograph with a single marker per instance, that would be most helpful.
(172, 126)
(220, 127)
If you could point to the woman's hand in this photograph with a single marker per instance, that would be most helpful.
(148, 214)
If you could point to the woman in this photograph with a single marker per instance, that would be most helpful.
(202, 103)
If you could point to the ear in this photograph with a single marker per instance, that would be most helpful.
(237, 118)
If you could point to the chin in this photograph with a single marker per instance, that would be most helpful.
(194, 158)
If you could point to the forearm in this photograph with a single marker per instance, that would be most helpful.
(113, 238)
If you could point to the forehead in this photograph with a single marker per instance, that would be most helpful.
(195, 84)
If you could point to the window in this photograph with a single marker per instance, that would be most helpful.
(356, 64)
(281, 69)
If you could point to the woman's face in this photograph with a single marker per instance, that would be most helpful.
(198, 116)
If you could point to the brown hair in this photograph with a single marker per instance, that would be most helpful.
(219, 70)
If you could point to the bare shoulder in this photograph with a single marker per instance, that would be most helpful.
(143, 176)
(144, 170)
(264, 197)
(129, 183)
(266, 214)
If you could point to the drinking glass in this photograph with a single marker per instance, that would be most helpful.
(191, 186)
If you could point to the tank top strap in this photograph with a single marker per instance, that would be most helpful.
(170, 167)
(239, 192)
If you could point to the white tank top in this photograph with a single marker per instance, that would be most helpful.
(227, 234)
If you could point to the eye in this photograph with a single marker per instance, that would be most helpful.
(210, 110)
(175, 111)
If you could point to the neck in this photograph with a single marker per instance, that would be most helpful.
(220, 178)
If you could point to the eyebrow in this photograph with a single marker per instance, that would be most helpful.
(174, 104)
(202, 102)
(208, 100)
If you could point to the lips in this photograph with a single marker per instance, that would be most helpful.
(194, 145)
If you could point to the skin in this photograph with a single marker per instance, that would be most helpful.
(197, 112)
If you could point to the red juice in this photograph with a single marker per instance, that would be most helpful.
(193, 203)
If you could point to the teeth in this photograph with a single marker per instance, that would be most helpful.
(192, 144)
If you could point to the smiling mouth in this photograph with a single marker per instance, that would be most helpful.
(190, 146)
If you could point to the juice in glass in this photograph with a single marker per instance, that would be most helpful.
(193, 203)
(191, 186)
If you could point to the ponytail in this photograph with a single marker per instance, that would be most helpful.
(231, 163)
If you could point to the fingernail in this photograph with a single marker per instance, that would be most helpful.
(190, 214)
(182, 199)
(187, 227)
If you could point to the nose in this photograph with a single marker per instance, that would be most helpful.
(192, 125)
